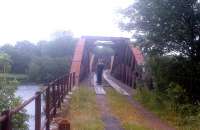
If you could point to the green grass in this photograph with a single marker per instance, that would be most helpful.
(83, 111)
(133, 126)
(162, 108)
(14, 76)
(124, 111)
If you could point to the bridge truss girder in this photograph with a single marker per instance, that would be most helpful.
(124, 66)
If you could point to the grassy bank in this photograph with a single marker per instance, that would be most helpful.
(165, 110)
(83, 112)
(124, 111)
(19, 77)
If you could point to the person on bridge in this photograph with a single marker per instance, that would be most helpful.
(99, 72)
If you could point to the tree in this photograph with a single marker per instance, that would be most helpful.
(5, 63)
(27, 57)
(7, 96)
(21, 54)
(45, 69)
(166, 25)
(60, 34)
(25, 51)
(62, 45)
(169, 27)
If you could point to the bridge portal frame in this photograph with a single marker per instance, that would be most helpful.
(124, 66)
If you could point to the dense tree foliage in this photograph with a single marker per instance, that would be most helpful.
(4, 63)
(44, 69)
(7, 97)
(43, 61)
(169, 27)
(171, 96)
(21, 55)
(168, 33)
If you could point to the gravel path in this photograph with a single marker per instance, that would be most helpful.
(110, 121)
(150, 119)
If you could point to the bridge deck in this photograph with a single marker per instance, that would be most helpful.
(112, 114)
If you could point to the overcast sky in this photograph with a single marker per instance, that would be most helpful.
(36, 20)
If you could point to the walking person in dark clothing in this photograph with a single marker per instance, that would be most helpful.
(100, 67)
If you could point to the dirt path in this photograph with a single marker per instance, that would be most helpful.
(110, 121)
(150, 119)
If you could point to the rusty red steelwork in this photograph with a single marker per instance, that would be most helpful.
(77, 59)
(64, 125)
(126, 63)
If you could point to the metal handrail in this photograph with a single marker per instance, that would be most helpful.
(54, 93)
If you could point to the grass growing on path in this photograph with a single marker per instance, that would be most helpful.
(162, 108)
(124, 111)
(83, 111)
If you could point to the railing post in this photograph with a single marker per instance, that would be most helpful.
(70, 80)
(47, 111)
(67, 83)
(74, 79)
(54, 99)
(6, 124)
(56, 93)
(59, 93)
(62, 89)
(38, 111)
